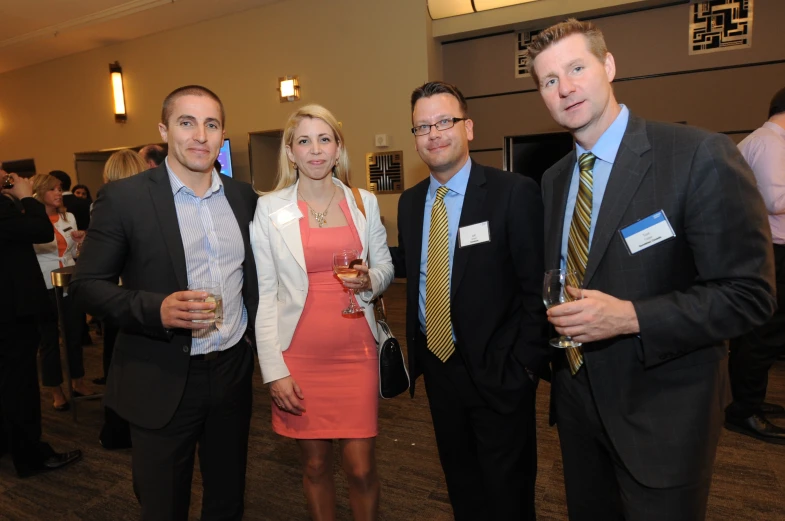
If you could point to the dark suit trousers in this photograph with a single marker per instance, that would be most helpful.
(215, 414)
(51, 367)
(752, 355)
(599, 486)
(489, 459)
(20, 399)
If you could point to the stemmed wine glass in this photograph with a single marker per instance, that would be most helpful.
(343, 266)
(558, 287)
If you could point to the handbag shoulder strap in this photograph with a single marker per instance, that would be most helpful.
(359, 200)
(380, 310)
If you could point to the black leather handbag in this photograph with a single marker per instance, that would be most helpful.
(393, 374)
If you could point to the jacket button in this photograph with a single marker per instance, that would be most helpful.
(185, 349)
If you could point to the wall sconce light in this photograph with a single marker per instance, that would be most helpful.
(289, 88)
(116, 74)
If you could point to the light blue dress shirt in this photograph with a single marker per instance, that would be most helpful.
(453, 202)
(214, 250)
(605, 151)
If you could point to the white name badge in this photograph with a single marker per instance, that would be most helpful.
(286, 215)
(647, 232)
(474, 234)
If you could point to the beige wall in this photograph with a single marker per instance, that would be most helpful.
(643, 43)
(359, 58)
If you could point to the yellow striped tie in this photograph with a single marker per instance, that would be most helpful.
(438, 325)
(578, 242)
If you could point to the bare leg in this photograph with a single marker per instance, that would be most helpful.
(359, 463)
(318, 485)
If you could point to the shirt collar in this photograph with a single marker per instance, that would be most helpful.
(776, 128)
(457, 183)
(178, 185)
(608, 145)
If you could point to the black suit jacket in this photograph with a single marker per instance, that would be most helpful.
(22, 224)
(80, 208)
(661, 394)
(135, 234)
(496, 287)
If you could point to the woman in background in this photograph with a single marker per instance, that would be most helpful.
(82, 192)
(51, 256)
(321, 364)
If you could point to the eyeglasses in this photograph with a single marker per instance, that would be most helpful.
(422, 130)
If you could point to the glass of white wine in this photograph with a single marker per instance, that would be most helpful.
(213, 290)
(558, 287)
(343, 266)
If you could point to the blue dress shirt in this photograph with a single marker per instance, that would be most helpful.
(453, 201)
(605, 151)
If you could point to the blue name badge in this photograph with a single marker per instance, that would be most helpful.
(647, 232)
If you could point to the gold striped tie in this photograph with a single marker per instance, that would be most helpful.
(578, 242)
(438, 325)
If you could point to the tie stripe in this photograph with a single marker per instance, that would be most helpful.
(438, 324)
(578, 241)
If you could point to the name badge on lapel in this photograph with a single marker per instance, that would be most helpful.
(285, 216)
(474, 234)
(647, 232)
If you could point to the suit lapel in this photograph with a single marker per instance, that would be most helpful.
(557, 204)
(291, 232)
(630, 166)
(417, 217)
(471, 213)
(234, 197)
(163, 202)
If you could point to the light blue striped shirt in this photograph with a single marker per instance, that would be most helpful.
(214, 250)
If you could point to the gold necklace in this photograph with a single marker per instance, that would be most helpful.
(319, 217)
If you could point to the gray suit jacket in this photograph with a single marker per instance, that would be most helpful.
(661, 394)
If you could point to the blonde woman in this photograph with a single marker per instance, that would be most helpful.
(122, 164)
(321, 365)
(51, 256)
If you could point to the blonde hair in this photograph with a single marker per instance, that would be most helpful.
(287, 172)
(595, 41)
(122, 164)
(42, 183)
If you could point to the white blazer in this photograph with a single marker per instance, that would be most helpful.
(283, 279)
(47, 255)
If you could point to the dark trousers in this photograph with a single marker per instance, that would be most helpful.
(51, 368)
(110, 336)
(489, 459)
(115, 433)
(752, 355)
(599, 486)
(20, 401)
(215, 414)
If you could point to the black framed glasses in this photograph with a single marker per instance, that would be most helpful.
(422, 130)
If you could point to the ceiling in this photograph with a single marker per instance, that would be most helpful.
(34, 31)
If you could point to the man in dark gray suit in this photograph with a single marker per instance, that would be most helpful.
(669, 234)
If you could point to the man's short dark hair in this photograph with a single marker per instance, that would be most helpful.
(777, 105)
(189, 90)
(433, 88)
(154, 153)
(65, 179)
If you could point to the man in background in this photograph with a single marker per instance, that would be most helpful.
(752, 355)
(23, 222)
(153, 155)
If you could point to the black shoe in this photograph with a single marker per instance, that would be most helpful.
(772, 409)
(53, 462)
(100, 381)
(758, 427)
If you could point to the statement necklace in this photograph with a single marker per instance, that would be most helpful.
(319, 217)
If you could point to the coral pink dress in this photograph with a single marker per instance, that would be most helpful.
(332, 356)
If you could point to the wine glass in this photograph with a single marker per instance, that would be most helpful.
(343, 266)
(561, 286)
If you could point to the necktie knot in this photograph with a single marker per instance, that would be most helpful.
(441, 192)
(586, 161)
